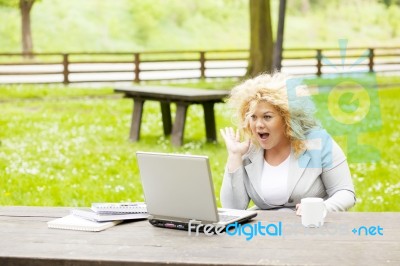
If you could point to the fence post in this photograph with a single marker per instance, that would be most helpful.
(202, 64)
(137, 67)
(65, 68)
(371, 60)
(319, 62)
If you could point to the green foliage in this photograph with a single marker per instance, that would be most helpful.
(390, 2)
(67, 146)
(133, 25)
(15, 3)
(10, 3)
(394, 20)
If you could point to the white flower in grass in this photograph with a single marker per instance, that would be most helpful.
(119, 188)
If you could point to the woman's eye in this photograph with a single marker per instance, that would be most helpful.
(253, 117)
(267, 117)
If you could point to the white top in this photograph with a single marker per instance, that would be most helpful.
(327, 167)
(274, 182)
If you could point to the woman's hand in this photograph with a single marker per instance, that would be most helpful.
(236, 149)
(298, 209)
(232, 142)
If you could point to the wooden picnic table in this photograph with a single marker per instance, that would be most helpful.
(26, 240)
(183, 98)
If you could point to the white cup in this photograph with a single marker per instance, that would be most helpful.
(313, 212)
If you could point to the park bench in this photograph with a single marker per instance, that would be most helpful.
(183, 98)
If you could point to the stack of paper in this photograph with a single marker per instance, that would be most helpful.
(72, 222)
(115, 208)
(102, 212)
(100, 216)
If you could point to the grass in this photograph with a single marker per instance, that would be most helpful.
(66, 146)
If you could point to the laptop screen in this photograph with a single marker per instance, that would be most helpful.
(177, 187)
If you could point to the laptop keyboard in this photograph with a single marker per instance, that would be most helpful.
(227, 218)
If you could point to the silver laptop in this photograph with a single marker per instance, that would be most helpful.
(178, 189)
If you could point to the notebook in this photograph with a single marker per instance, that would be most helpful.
(178, 189)
(72, 222)
(114, 208)
(89, 214)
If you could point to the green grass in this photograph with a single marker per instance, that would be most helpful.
(47, 92)
(65, 146)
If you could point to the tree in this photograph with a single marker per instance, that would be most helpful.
(261, 42)
(25, 7)
(279, 36)
(388, 3)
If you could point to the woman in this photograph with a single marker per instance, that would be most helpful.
(286, 155)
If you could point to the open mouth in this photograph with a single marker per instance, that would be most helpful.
(263, 135)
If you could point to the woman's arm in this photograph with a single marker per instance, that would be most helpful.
(339, 188)
(336, 177)
(233, 191)
(340, 201)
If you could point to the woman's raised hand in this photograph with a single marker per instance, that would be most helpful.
(232, 142)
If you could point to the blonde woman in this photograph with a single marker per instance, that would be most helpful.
(285, 155)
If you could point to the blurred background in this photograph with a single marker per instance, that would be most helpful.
(133, 25)
(64, 132)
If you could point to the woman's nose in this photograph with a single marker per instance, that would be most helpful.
(259, 123)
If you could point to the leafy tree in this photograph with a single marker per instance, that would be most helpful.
(393, 19)
(388, 3)
(25, 7)
(261, 42)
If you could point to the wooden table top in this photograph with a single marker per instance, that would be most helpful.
(26, 240)
(173, 93)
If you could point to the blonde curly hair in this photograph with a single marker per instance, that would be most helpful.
(291, 102)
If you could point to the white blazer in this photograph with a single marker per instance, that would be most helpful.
(321, 171)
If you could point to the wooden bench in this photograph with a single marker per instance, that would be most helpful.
(26, 240)
(183, 98)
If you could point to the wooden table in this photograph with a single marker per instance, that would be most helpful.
(183, 98)
(26, 240)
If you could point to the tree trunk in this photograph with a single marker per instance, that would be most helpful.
(305, 7)
(279, 36)
(27, 44)
(261, 42)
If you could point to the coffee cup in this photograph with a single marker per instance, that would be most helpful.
(313, 212)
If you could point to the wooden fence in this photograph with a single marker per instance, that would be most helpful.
(173, 65)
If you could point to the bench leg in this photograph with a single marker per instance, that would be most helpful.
(179, 125)
(166, 118)
(137, 112)
(209, 120)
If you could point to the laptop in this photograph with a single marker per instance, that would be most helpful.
(179, 192)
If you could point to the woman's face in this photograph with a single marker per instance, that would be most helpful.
(268, 127)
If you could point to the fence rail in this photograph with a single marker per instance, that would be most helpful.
(160, 65)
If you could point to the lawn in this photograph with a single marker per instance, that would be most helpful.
(68, 146)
